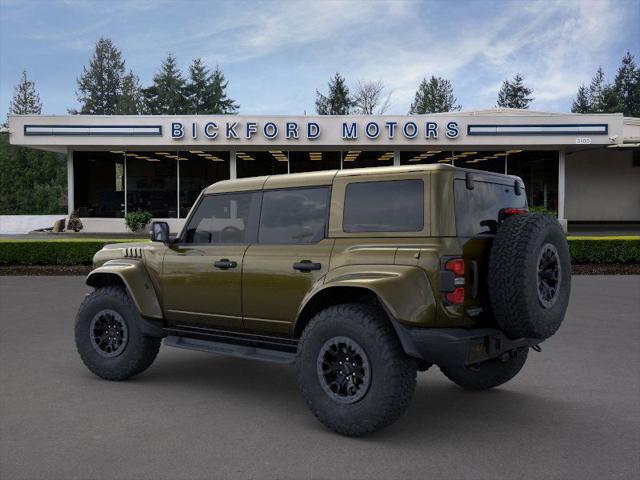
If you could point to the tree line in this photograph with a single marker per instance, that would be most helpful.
(435, 95)
(106, 87)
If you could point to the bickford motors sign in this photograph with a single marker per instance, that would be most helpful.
(295, 130)
(233, 131)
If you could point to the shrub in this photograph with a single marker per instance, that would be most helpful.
(74, 223)
(545, 210)
(137, 220)
(52, 252)
(604, 249)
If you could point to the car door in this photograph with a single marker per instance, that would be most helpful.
(202, 272)
(291, 255)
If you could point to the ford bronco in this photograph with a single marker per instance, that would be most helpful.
(359, 277)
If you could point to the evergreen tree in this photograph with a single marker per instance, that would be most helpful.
(167, 95)
(581, 104)
(100, 85)
(338, 101)
(196, 89)
(596, 91)
(25, 99)
(610, 101)
(514, 94)
(206, 92)
(433, 96)
(627, 86)
(218, 100)
(130, 101)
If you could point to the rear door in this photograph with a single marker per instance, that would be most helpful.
(291, 255)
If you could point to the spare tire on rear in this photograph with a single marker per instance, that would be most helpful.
(529, 276)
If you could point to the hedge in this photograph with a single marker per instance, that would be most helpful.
(80, 251)
(604, 249)
(72, 251)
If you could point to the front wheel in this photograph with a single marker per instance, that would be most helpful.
(108, 336)
(352, 371)
(488, 374)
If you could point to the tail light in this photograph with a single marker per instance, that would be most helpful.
(451, 280)
(456, 297)
(456, 266)
(507, 212)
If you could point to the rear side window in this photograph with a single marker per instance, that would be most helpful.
(390, 206)
(477, 210)
(294, 215)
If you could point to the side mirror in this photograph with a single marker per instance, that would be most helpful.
(160, 232)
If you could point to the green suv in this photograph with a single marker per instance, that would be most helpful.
(359, 277)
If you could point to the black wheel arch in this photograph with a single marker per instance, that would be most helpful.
(339, 294)
(151, 327)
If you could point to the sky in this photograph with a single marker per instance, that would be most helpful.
(275, 54)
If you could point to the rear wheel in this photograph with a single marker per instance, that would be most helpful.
(352, 371)
(488, 374)
(108, 336)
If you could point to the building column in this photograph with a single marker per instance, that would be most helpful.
(233, 173)
(125, 186)
(561, 190)
(396, 158)
(177, 188)
(70, 183)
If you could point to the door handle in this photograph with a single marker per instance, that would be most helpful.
(225, 264)
(307, 266)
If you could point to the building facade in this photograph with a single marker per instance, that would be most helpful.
(584, 167)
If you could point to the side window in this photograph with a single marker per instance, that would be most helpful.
(296, 215)
(225, 218)
(388, 206)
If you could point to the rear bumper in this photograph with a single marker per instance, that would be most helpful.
(459, 346)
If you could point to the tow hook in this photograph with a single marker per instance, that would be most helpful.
(536, 348)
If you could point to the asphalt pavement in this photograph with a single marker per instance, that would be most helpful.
(573, 411)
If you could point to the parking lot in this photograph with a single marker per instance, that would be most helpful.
(573, 412)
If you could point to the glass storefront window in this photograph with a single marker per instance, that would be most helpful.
(539, 171)
(197, 170)
(313, 161)
(363, 158)
(99, 184)
(490, 161)
(152, 184)
(259, 163)
(151, 178)
(425, 157)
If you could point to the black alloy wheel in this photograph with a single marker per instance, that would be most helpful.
(109, 333)
(344, 370)
(549, 275)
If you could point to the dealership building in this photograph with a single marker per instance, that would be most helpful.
(584, 167)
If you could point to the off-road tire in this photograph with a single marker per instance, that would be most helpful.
(488, 374)
(393, 373)
(514, 281)
(139, 352)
